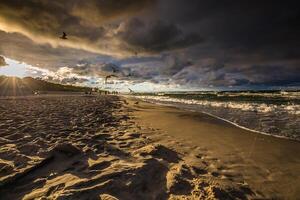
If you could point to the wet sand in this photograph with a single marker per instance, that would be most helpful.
(108, 147)
(269, 165)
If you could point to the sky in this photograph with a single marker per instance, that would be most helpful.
(153, 45)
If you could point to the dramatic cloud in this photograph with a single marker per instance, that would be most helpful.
(193, 43)
(155, 36)
(19, 47)
(96, 12)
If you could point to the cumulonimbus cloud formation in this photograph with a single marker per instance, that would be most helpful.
(192, 43)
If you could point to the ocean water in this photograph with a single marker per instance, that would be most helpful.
(275, 113)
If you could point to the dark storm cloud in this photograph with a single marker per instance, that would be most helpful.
(19, 47)
(89, 24)
(248, 42)
(195, 42)
(269, 29)
(95, 12)
(52, 16)
(174, 64)
(99, 69)
(43, 17)
(155, 35)
(271, 74)
(220, 76)
(2, 62)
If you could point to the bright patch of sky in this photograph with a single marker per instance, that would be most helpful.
(14, 68)
(19, 69)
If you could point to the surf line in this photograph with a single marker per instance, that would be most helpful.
(164, 103)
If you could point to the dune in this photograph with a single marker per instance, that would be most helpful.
(97, 147)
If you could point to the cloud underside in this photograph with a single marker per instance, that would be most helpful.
(94, 26)
(190, 43)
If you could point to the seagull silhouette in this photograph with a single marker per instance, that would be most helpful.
(129, 74)
(114, 69)
(64, 36)
(130, 90)
(109, 76)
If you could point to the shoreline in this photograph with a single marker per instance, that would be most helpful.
(115, 148)
(217, 117)
(262, 156)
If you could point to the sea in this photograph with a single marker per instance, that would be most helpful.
(275, 113)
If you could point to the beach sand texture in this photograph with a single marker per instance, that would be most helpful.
(269, 165)
(100, 147)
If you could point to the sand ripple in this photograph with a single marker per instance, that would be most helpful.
(76, 147)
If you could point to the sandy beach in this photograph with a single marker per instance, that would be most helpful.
(110, 147)
(270, 166)
(149, 100)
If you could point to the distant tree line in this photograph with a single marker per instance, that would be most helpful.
(28, 85)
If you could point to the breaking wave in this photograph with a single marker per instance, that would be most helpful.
(273, 113)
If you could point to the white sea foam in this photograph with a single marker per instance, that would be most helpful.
(280, 120)
(255, 107)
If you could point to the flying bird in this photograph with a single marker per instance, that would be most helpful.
(109, 76)
(129, 74)
(64, 36)
(114, 69)
(130, 90)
